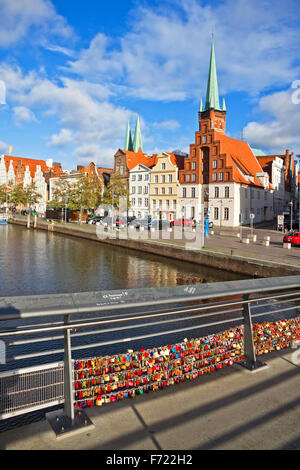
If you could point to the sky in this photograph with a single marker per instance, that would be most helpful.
(73, 73)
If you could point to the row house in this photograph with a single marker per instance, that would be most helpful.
(164, 186)
(19, 170)
(92, 171)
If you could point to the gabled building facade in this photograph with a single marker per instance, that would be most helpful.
(19, 170)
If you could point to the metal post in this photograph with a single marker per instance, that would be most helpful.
(68, 373)
(65, 422)
(250, 361)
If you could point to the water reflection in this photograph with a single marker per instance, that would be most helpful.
(39, 262)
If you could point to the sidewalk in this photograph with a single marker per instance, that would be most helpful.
(232, 409)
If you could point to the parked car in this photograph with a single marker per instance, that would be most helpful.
(292, 237)
(184, 221)
(138, 223)
(161, 224)
(24, 212)
(93, 220)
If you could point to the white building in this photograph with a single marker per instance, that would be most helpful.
(139, 191)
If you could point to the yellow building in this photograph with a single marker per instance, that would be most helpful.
(164, 186)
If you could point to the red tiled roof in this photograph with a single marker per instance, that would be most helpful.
(30, 162)
(135, 158)
(240, 157)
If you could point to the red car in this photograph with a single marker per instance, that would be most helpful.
(182, 221)
(292, 237)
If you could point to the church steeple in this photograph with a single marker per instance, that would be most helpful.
(128, 139)
(137, 141)
(212, 93)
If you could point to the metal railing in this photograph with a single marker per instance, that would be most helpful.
(39, 327)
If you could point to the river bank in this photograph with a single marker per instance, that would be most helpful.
(219, 252)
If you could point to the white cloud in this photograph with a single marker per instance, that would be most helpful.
(164, 54)
(279, 130)
(61, 139)
(170, 125)
(3, 147)
(23, 114)
(37, 17)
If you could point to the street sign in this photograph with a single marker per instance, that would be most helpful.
(280, 220)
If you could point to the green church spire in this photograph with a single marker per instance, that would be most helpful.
(201, 106)
(212, 93)
(128, 139)
(224, 105)
(137, 141)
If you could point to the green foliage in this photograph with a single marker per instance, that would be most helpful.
(116, 189)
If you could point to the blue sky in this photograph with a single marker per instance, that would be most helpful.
(75, 72)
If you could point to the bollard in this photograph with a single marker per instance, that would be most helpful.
(287, 245)
(266, 243)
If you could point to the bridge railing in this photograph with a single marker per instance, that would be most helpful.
(35, 329)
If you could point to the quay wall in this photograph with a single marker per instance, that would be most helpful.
(232, 263)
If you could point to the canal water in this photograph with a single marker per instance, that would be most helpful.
(39, 262)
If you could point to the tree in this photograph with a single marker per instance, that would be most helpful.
(116, 189)
(26, 196)
(86, 193)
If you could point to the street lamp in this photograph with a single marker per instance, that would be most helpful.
(291, 204)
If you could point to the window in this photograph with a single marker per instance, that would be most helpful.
(217, 191)
(140, 201)
(193, 177)
(167, 204)
(192, 212)
(160, 203)
(140, 189)
(146, 178)
(193, 192)
(133, 190)
(258, 195)
(170, 190)
(174, 205)
(170, 178)
(163, 190)
(156, 190)
(163, 166)
(215, 163)
(204, 139)
(215, 176)
(146, 202)
(226, 213)
(140, 177)
(163, 178)
(133, 178)
(220, 176)
(216, 213)
(183, 192)
(156, 179)
(145, 189)
(226, 191)
(154, 204)
(193, 165)
(188, 178)
(133, 201)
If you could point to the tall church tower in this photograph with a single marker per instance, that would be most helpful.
(212, 116)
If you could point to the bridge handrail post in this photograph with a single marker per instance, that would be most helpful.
(250, 361)
(68, 373)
